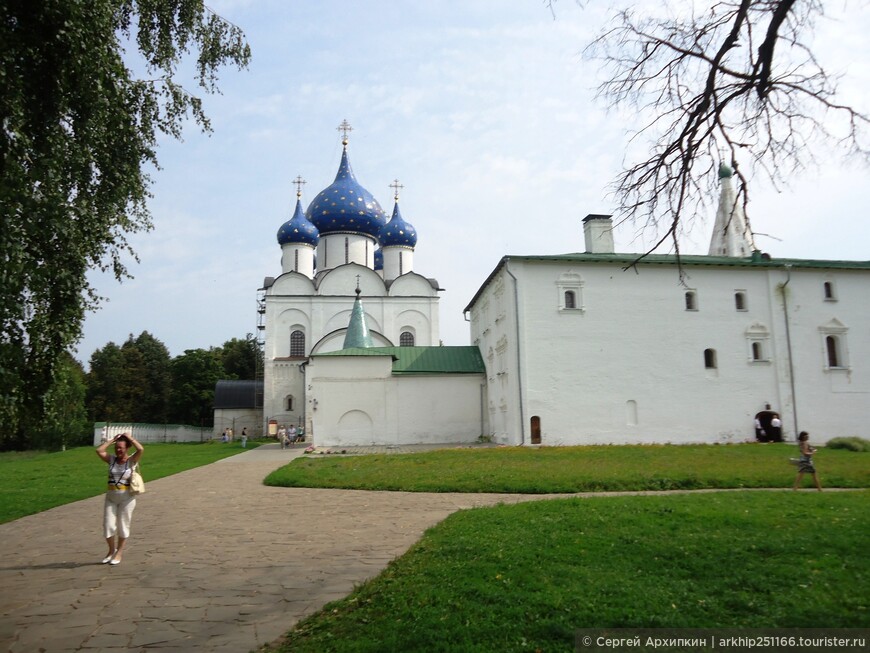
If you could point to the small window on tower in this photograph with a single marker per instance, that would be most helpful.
(830, 294)
(691, 300)
(740, 300)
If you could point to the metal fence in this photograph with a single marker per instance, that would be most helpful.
(151, 432)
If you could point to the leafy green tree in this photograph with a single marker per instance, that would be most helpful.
(66, 422)
(79, 130)
(240, 358)
(147, 378)
(104, 401)
(130, 383)
(194, 375)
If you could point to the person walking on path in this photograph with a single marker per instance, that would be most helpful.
(120, 502)
(805, 462)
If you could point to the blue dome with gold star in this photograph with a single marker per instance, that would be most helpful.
(345, 206)
(298, 229)
(397, 232)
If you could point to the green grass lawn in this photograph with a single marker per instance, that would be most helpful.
(33, 481)
(524, 577)
(574, 469)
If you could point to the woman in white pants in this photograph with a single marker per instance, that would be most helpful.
(120, 502)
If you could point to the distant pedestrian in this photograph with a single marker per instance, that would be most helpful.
(775, 428)
(805, 462)
(292, 434)
(245, 432)
(120, 502)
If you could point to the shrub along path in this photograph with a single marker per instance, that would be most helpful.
(216, 562)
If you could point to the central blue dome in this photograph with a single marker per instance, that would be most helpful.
(345, 206)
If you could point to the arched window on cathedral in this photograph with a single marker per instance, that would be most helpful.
(288, 403)
(740, 300)
(297, 344)
(406, 339)
(710, 359)
(570, 299)
(691, 300)
(346, 249)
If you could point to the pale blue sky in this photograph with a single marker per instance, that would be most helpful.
(483, 109)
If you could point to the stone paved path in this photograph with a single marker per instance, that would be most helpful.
(216, 562)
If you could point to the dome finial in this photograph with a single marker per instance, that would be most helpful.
(345, 129)
(396, 186)
(299, 182)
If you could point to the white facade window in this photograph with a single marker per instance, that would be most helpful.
(829, 291)
(288, 403)
(570, 289)
(570, 299)
(406, 339)
(834, 345)
(297, 344)
(758, 339)
(740, 300)
(710, 359)
(757, 351)
(691, 300)
(346, 249)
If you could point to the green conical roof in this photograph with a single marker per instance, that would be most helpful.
(357, 331)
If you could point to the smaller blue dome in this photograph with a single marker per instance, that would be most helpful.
(379, 259)
(397, 232)
(298, 229)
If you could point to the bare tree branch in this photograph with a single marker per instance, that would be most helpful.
(709, 91)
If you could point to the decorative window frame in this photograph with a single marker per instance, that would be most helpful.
(838, 331)
(758, 334)
(573, 283)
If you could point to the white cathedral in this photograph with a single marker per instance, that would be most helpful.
(578, 348)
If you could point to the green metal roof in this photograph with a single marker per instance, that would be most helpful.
(756, 261)
(423, 360)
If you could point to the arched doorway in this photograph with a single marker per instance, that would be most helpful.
(536, 430)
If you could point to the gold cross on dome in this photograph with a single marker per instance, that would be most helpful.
(345, 129)
(299, 182)
(396, 186)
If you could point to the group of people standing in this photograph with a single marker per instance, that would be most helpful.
(768, 425)
(287, 436)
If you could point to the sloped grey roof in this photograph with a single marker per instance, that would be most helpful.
(238, 394)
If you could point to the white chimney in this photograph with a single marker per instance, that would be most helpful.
(598, 230)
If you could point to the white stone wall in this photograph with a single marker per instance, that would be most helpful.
(356, 401)
(627, 364)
